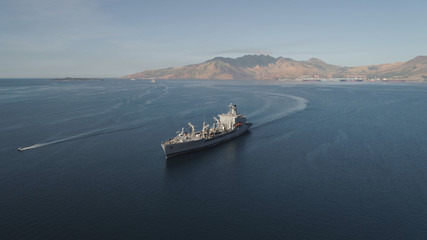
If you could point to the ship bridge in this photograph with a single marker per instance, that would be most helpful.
(232, 118)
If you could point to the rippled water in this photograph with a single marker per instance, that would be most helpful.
(322, 161)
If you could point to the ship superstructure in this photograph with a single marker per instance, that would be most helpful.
(228, 126)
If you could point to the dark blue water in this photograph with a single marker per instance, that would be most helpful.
(325, 161)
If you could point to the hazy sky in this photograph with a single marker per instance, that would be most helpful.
(111, 38)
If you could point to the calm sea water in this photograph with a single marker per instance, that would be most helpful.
(323, 161)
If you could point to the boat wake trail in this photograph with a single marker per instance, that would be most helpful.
(35, 146)
(81, 136)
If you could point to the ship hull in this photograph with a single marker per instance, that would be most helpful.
(172, 150)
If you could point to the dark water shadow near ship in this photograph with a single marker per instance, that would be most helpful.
(186, 159)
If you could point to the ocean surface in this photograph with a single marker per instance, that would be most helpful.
(322, 161)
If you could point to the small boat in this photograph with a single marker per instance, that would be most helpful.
(20, 149)
(132, 79)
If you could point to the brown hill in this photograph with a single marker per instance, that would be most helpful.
(286, 68)
(267, 67)
(413, 69)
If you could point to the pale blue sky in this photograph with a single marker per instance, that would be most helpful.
(111, 38)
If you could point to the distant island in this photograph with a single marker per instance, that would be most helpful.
(77, 79)
(264, 67)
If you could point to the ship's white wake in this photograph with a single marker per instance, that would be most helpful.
(274, 107)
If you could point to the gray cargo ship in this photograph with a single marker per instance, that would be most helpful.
(229, 125)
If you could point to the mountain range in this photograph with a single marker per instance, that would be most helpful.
(264, 67)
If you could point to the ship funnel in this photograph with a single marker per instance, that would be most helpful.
(233, 109)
